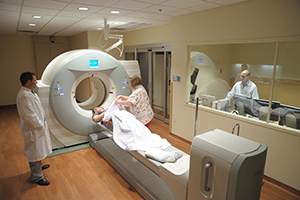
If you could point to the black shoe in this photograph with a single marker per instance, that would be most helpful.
(45, 166)
(43, 181)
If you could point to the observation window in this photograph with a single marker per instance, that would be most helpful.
(214, 70)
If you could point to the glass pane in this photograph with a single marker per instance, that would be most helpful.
(215, 69)
(144, 67)
(168, 78)
(158, 84)
(287, 85)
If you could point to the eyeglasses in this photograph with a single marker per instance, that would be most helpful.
(243, 76)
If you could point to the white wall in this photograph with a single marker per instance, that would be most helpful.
(20, 53)
(16, 57)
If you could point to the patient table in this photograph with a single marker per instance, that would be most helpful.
(220, 166)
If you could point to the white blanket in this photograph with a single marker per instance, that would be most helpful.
(129, 133)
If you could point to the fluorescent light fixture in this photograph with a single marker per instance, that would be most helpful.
(37, 16)
(116, 22)
(32, 24)
(99, 28)
(83, 8)
(114, 12)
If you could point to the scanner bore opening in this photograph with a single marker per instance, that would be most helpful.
(90, 93)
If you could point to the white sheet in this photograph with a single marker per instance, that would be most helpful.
(163, 156)
(129, 133)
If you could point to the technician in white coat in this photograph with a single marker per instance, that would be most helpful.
(37, 142)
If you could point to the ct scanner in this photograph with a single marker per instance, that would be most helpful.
(220, 165)
(70, 122)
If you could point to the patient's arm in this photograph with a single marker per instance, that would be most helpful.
(97, 118)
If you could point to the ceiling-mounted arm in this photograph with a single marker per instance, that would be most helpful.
(108, 36)
(116, 46)
(106, 29)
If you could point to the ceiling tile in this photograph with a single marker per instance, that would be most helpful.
(205, 6)
(183, 3)
(130, 5)
(10, 7)
(103, 3)
(19, 2)
(46, 4)
(40, 11)
(159, 9)
(79, 14)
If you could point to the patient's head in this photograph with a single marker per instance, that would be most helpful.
(98, 109)
(135, 80)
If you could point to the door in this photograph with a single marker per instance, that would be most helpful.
(155, 66)
(161, 66)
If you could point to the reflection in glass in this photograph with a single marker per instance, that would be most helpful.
(287, 85)
(205, 82)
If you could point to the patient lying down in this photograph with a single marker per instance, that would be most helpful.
(131, 135)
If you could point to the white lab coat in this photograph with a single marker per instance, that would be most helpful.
(37, 142)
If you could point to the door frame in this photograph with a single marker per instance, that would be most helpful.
(150, 48)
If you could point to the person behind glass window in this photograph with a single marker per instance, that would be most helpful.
(138, 102)
(238, 76)
(244, 87)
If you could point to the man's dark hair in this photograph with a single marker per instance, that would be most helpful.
(25, 77)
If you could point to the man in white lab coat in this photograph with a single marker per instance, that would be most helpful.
(37, 142)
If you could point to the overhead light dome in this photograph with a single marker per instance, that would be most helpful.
(83, 8)
(37, 16)
(114, 12)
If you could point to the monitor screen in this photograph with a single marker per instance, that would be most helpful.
(93, 63)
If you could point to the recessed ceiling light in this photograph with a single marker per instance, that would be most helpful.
(37, 16)
(99, 29)
(114, 12)
(116, 22)
(32, 24)
(83, 8)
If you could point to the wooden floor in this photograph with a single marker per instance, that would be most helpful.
(81, 174)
